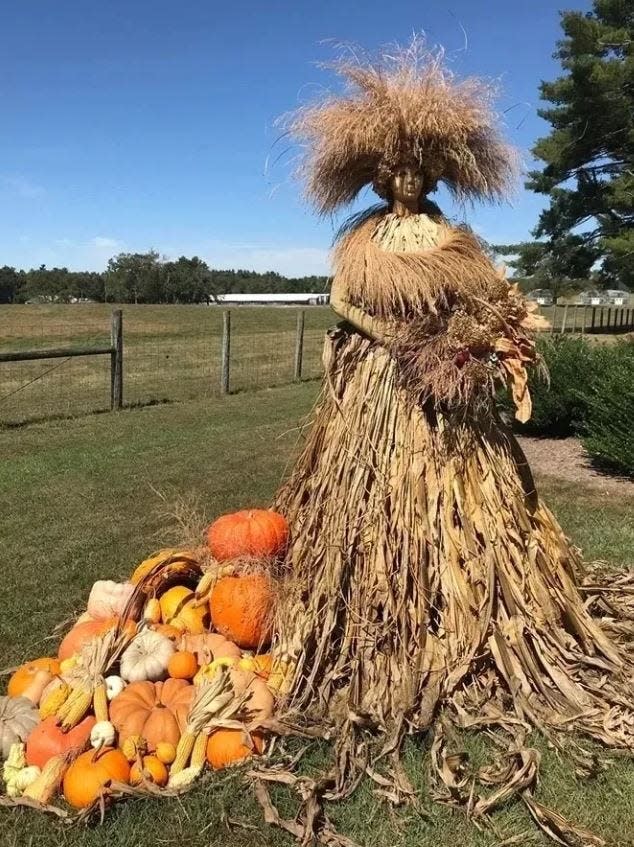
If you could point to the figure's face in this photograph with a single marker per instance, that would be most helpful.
(406, 184)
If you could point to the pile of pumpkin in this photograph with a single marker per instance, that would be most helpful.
(162, 675)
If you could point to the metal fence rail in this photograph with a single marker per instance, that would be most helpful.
(160, 355)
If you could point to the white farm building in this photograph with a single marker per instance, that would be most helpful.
(292, 299)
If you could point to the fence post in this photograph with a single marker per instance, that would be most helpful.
(563, 320)
(594, 315)
(583, 319)
(116, 360)
(299, 346)
(552, 326)
(226, 351)
(575, 310)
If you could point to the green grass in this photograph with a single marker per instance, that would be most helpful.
(79, 500)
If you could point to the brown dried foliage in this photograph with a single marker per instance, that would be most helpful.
(405, 104)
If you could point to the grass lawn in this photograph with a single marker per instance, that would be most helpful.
(79, 501)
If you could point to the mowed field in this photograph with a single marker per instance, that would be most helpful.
(89, 498)
(171, 353)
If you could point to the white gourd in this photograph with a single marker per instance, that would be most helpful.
(147, 657)
(102, 734)
(114, 686)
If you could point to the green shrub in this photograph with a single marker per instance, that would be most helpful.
(559, 402)
(608, 426)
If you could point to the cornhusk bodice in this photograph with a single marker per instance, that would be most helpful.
(399, 267)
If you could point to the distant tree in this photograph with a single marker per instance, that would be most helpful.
(134, 278)
(588, 157)
(561, 272)
(11, 284)
(186, 280)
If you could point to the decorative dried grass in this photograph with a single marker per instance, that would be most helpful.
(428, 586)
(405, 104)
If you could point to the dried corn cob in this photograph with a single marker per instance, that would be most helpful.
(80, 706)
(100, 702)
(199, 752)
(183, 752)
(53, 701)
(48, 782)
(183, 779)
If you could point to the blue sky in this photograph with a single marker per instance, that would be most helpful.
(138, 124)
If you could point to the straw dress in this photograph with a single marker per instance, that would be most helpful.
(423, 567)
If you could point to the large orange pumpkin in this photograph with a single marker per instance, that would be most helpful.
(254, 532)
(25, 675)
(230, 746)
(90, 774)
(48, 740)
(155, 710)
(82, 633)
(242, 609)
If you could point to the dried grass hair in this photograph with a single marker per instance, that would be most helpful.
(405, 106)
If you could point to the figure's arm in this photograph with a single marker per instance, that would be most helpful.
(376, 328)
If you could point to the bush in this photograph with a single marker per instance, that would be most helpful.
(608, 426)
(559, 402)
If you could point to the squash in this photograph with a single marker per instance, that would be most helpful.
(38, 685)
(155, 710)
(261, 664)
(108, 599)
(114, 686)
(150, 770)
(90, 775)
(152, 611)
(165, 752)
(81, 634)
(102, 734)
(260, 533)
(149, 564)
(242, 609)
(209, 646)
(18, 717)
(48, 740)
(182, 665)
(25, 674)
(232, 746)
(179, 609)
(146, 657)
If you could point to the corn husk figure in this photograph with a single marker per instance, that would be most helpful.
(427, 584)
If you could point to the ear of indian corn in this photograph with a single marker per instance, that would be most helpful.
(199, 752)
(53, 701)
(81, 704)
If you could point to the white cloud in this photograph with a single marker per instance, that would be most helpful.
(105, 243)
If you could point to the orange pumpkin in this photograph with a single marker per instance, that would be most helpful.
(253, 532)
(48, 740)
(90, 775)
(25, 674)
(84, 632)
(230, 746)
(178, 609)
(155, 710)
(242, 609)
(182, 665)
(150, 770)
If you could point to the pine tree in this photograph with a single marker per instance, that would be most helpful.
(589, 155)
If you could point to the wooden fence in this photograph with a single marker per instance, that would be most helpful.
(239, 362)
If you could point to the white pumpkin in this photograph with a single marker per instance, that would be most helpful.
(18, 716)
(114, 686)
(108, 599)
(102, 734)
(147, 657)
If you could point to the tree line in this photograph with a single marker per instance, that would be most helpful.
(144, 278)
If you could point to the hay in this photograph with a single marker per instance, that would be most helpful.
(427, 586)
(405, 104)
